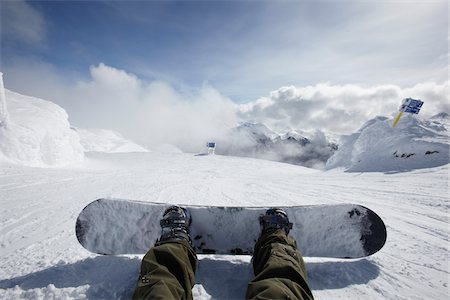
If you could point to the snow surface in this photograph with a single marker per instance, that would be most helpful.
(41, 258)
(103, 140)
(38, 133)
(166, 148)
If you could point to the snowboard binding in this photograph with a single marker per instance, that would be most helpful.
(175, 225)
(273, 220)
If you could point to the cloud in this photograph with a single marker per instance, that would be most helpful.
(339, 108)
(21, 22)
(364, 43)
(150, 113)
(155, 112)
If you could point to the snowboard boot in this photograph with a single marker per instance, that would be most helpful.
(175, 225)
(274, 219)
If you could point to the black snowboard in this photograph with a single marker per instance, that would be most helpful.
(118, 226)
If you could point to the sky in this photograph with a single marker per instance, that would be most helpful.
(291, 64)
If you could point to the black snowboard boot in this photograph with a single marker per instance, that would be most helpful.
(175, 225)
(273, 220)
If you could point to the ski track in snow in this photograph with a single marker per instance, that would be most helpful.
(41, 258)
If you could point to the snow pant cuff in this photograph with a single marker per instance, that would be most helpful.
(167, 272)
(280, 271)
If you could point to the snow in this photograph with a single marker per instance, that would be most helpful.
(4, 115)
(103, 140)
(389, 171)
(377, 146)
(41, 258)
(38, 133)
(166, 148)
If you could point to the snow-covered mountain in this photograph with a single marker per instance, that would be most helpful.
(258, 141)
(109, 141)
(377, 146)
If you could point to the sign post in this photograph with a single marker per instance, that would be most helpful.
(409, 105)
(211, 147)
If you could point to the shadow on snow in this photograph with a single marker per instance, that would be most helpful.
(115, 276)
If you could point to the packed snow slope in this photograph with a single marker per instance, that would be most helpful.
(104, 140)
(41, 258)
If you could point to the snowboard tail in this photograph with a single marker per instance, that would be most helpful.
(116, 226)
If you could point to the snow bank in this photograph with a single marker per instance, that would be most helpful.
(103, 140)
(4, 116)
(38, 133)
(378, 147)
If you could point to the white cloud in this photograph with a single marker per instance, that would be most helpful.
(149, 113)
(21, 22)
(155, 112)
(340, 108)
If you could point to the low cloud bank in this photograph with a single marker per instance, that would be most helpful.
(152, 113)
(340, 108)
(258, 141)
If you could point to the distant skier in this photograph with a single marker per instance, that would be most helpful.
(168, 269)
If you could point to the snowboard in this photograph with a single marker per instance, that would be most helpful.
(120, 226)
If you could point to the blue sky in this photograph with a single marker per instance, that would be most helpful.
(245, 49)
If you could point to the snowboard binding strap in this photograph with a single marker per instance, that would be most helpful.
(175, 225)
(275, 219)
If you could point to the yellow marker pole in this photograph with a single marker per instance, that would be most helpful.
(400, 114)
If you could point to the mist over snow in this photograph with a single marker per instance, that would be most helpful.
(36, 132)
(257, 140)
(149, 113)
(298, 125)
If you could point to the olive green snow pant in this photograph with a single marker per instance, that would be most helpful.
(168, 271)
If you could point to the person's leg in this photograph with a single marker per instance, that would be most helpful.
(168, 269)
(167, 272)
(279, 269)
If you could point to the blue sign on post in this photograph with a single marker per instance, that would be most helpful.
(409, 105)
(412, 106)
(211, 147)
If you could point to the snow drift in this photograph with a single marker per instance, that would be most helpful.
(103, 140)
(37, 133)
(377, 146)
